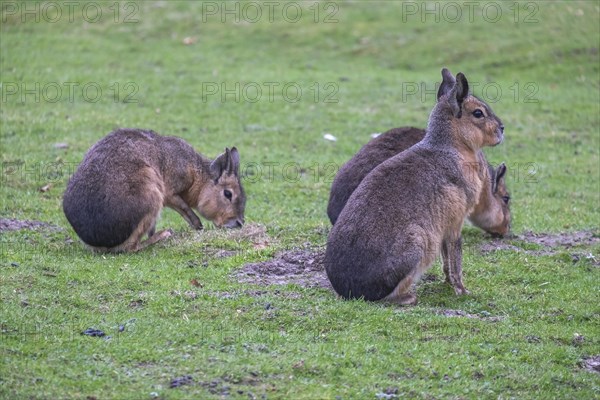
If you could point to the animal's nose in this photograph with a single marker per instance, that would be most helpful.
(234, 224)
(502, 128)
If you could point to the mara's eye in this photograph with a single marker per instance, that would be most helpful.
(227, 194)
(478, 113)
(505, 199)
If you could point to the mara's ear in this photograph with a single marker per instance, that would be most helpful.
(220, 164)
(462, 88)
(500, 173)
(234, 162)
(457, 94)
(447, 84)
(497, 176)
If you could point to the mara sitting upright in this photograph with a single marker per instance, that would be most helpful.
(115, 197)
(492, 212)
(413, 205)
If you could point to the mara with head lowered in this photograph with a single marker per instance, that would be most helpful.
(492, 212)
(411, 207)
(115, 197)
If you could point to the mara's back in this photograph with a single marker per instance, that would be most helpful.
(372, 154)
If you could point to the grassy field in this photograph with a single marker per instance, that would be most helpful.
(273, 79)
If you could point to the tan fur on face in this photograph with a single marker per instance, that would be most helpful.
(477, 132)
(492, 212)
(213, 205)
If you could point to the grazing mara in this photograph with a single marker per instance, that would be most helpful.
(116, 195)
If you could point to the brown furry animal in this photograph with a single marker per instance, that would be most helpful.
(116, 195)
(492, 213)
(412, 206)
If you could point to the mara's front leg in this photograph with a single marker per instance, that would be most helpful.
(452, 259)
(446, 262)
(176, 203)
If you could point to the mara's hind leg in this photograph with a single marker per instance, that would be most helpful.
(402, 293)
(156, 237)
(152, 231)
(134, 241)
(452, 254)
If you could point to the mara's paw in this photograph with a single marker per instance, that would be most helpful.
(198, 225)
(167, 233)
(461, 290)
(157, 237)
(406, 299)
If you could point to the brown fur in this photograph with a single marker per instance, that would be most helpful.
(412, 206)
(379, 149)
(116, 195)
(492, 212)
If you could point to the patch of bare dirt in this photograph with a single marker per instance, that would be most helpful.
(302, 267)
(551, 243)
(9, 224)
(237, 240)
(226, 243)
(253, 293)
(582, 238)
(256, 233)
(592, 364)
(306, 267)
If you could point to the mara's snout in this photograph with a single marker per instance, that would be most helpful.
(233, 224)
(500, 134)
(500, 231)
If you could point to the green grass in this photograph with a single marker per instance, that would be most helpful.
(239, 340)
